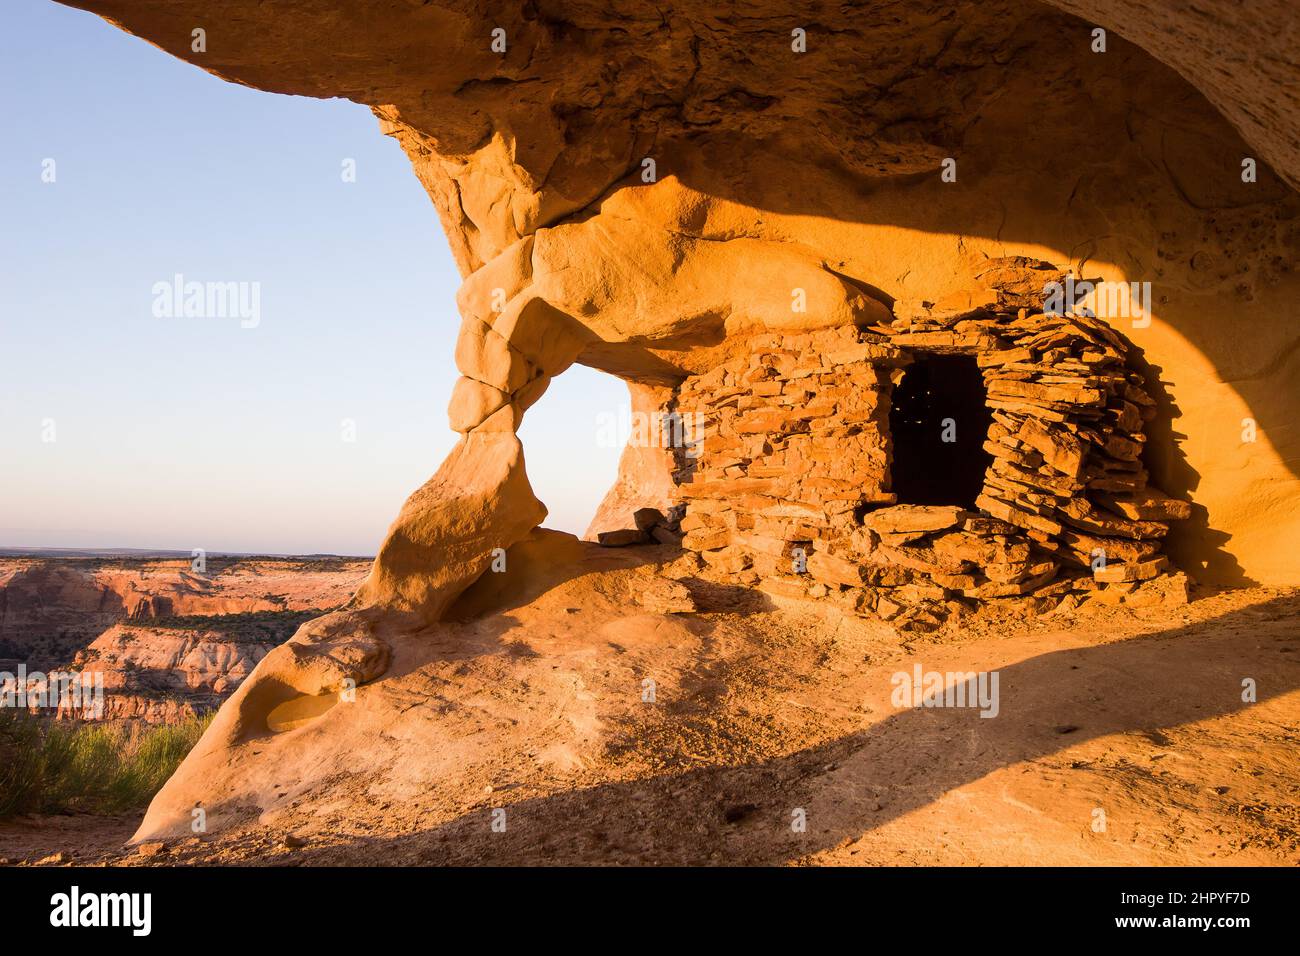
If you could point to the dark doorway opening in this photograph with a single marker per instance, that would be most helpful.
(939, 422)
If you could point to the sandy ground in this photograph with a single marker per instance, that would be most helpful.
(1121, 738)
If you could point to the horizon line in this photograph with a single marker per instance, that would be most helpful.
(36, 552)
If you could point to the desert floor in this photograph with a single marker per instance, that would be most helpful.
(1121, 738)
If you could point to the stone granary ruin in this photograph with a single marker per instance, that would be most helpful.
(824, 468)
(649, 190)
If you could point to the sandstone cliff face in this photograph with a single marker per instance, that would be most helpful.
(167, 641)
(164, 674)
(1243, 57)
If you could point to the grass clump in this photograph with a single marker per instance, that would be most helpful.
(58, 767)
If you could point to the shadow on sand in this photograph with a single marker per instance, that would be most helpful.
(852, 785)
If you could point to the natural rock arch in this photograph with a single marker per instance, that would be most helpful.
(776, 170)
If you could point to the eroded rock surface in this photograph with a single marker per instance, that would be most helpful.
(645, 190)
(165, 640)
(777, 170)
(531, 698)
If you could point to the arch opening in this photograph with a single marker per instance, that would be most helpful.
(572, 447)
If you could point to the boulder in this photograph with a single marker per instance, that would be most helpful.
(449, 529)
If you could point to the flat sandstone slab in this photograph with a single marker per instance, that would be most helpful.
(904, 518)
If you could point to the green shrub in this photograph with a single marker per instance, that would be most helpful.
(55, 767)
(21, 761)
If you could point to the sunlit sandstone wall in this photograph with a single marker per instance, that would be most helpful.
(822, 170)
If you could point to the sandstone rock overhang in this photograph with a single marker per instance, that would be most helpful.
(645, 190)
(660, 191)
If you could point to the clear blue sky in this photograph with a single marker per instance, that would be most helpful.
(199, 432)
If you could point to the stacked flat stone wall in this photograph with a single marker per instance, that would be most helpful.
(790, 490)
